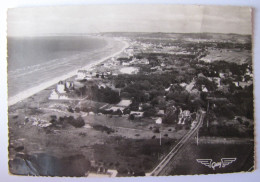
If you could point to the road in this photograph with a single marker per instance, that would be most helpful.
(161, 168)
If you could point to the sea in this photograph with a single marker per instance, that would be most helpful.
(35, 60)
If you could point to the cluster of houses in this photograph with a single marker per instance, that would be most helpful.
(183, 116)
(125, 103)
(90, 75)
(60, 93)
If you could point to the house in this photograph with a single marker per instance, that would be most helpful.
(168, 89)
(61, 87)
(160, 112)
(81, 74)
(115, 74)
(190, 86)
(55, 95)
(183, 116)
(183, 84)
(124, 103)
(217, 80)
(137, 114)
(195, 92)
(101, 85)
(158, 120)
(236, 84)
(69, 84)
(114, 109)
(163, 64)
(186, 113)
(125, 64)
(158, 68)
(144, 61)
(204, 88)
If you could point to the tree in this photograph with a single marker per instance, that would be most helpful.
(131, 117)
(77, 123)
(150, 112)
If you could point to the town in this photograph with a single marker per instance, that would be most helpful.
(123, 115)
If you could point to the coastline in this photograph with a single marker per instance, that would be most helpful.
(31, 91)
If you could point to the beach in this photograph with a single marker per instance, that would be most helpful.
(49, 77)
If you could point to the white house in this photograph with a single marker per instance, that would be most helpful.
(160, 112)
(61, 87)
(183, 116)
(168, 89)
(163, 64)
(81, 74)
(137, 114)
(204, 88)
(158, 121)
(144, 61)
(55, 95)
(124, 103)
(125, 64)
(114, 109)
(186, 113)
(183, 84)
(69, 84)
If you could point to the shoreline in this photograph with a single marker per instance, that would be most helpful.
(31, 91)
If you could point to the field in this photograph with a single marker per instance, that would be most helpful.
(230, 56)
(114, 142)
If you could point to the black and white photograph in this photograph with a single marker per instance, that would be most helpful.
(130, 90)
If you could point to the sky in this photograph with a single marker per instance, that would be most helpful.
(128, 18)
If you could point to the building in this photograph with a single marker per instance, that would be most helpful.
(137, 114)
(55, 95)
(114, 109)
(144, 61)
(69, 85)
(61, 87)
(61, 90)
(125, 64)
(124, 103)
(183, 116)
(81, 74)
(160, 113)
(158, 120)
(204, 88)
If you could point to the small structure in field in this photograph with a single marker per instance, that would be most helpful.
(158, 120)
(129, 70)
(137, 114)
(124, 103)
(81, 74)
(60, 92)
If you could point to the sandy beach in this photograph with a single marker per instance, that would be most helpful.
(33, 90)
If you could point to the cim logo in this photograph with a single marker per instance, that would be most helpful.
(223, 163)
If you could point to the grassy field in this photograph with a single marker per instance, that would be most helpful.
(114, 142)
(231, 56)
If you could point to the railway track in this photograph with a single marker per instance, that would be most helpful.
(161, 168)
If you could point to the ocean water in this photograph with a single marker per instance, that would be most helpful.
(35, 60)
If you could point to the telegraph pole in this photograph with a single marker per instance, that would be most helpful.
(197, 137)
(160, 139)
(208, 115)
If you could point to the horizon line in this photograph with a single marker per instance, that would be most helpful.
(60, 34)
